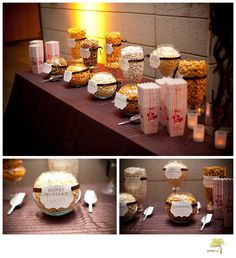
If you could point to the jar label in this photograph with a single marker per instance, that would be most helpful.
(132, 183)
(124, 64)
(92, 86)
(57, 196)
(84, 52)
(108, 48)
(123, 209)
(173, 172)
(208, 182)
(47, 68)
(71, 43)
(154, 61)
(67, 76)
(181, 209)
(120, 101)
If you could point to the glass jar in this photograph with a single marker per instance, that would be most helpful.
(54, 66)
(77, 75)
(102, 85)
(175, 173)
(135, 179)
(181, 207)
(76, 35)
(132, 64)
(56, 193)
(113, 49)
(130, 93)
(89, 52)
(128, 206)
(195, 73)
(165, 58)
(208, 174)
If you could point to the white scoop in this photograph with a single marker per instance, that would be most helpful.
(90, 198)
(15, 201)
(205, 219)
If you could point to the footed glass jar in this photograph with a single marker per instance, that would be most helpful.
(56, 193)
(89, 52)
(132, 64)
(181, 207)
(76, 35)
(135, 179)
(165, 58)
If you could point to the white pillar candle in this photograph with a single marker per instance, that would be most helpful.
(208, 110)
(198, 133)
(192, 119)
(220, 139)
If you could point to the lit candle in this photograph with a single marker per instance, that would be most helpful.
(192, 119)
(220, 139)
(208, 110)
(198, 133)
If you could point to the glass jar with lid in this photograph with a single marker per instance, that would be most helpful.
(56, 192)
(113, 49)
(77, 75)
(135, 181)
(195, 73)
(89, 52)
(175, 173)
(76, 35)
(132, 64)
(209, 173)
(181, 207)
(165, 58)
(127, 99)
(102, 85)
(54, 66)
(128, 206)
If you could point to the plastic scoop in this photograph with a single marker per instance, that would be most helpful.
(15, 201)
(135, 118)
(205, 219)
(90, 198)
(147, 212)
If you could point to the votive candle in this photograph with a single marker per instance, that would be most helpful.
(199, 133)
(220, 139)
(192, 119)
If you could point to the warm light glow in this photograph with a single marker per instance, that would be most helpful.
(93, 21)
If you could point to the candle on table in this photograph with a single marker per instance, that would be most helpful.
(220, 139)
(198, 133)
(192, 119)
(208, 110)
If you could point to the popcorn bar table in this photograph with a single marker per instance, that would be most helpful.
(53, 119)
(159, 223)
(28, 219)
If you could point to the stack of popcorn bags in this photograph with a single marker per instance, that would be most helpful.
(223, 200)
(36, 53)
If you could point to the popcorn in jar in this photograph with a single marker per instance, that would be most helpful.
(77, 75)
(89, 52)
(132, 64)
(209, 173)
(56, 193)
(165, 58)
(129, 95)
(128, 207)
(113, 49)
(102, 85)
(54, 66)
(135, 179)
(76, 35)
(195, 73)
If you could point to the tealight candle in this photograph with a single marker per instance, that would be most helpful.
(198, 133)
(220, 139)
(192, 119)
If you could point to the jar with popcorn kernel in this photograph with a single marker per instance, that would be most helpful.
(195, 73)
(54, 66)
(76, 35)
(89, 52)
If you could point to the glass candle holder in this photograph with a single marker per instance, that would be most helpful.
(220, 139)
(199, 133)
(136, 183)
(192, 119)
